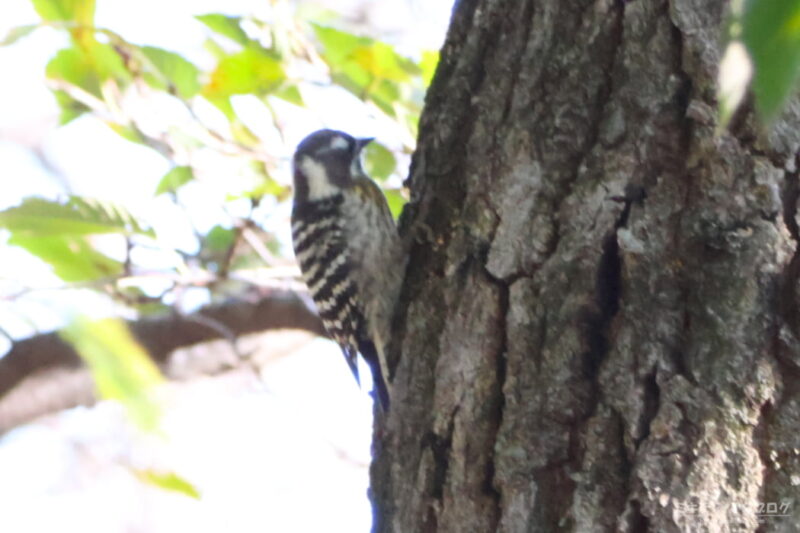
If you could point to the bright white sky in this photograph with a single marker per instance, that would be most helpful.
(303, 466)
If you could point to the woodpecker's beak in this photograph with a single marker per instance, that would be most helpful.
(361, 143)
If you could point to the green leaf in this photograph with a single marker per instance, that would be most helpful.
(87, 67)
(216, 247)
(168, 481)
(174, 72)
(251, 71)
(17, 33)
(71, 257)
(121, 368)
(339, 45)
(242, 134)
(219, 239)
(174, 179)
(771, 32)
(129, 132)
(370, 69)
(214, 49)
(427, 65)
(230, 27)
(386, 95)
(73, 66)
(223, 103)
(259, 184)
(37, 217)
(70, 108)
(396, 201)
(81, 11)
(380, 60)
(239, 131)
(291, 94)
(379, 161)
(106, 61)
(377, 58)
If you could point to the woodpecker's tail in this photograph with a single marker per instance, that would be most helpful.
(351, 356)
(370, 354)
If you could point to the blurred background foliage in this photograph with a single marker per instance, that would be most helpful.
(224, 119)
(270, 59)
(102, 73)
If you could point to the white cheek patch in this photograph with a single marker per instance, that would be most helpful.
(355, 166)
(319, 186)
(339, 143)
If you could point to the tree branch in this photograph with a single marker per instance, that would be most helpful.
(32, 364)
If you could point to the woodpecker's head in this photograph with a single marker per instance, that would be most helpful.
(326, 162)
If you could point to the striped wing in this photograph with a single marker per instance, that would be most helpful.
(320, 246)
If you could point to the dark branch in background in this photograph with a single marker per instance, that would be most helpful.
(38, 358)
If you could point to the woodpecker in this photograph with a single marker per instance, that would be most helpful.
(348, 248)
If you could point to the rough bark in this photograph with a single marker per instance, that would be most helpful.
(43, 374)
(599, 324)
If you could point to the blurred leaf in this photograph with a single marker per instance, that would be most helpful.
(37, 217)
(230, 27)
(70, 108)
(214, 49)
(219, 239)
(180, 75)
(339, 48)
(380, 60)
(396, 201)
(81, 11)
(250, 71)
(71, 257)
(379, 161)
(17, 33)
(291, 94)
(375, 57)
(260, 184)
(223, 103)
(216, 247)
(175, 179)
(269, 187)
(127, 132)
(87, 67)
(242, 134)
(427, 65)
(72, 65)
(281, 38)
(370, 69)
(771, 32)
(386, 95)
(263, 185)
(339, 45)
(239, 131)
(107, 62)
(121, 368)
(168, 481)
(412, 123)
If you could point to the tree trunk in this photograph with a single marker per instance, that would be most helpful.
(599, 324)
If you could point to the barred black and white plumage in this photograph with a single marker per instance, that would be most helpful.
(346, 243)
